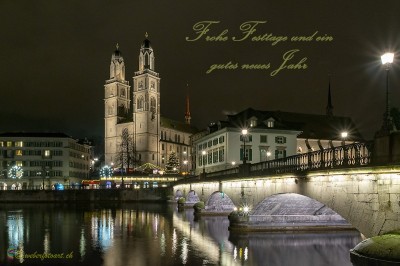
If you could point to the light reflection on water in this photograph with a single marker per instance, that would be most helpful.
(151, 234)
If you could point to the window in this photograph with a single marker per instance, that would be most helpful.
(270, 124)
(200, 160)
(221, 154)
(215, 156)
(215, 141)
(18, 163)
(280, 154)
(47, 153)
(153, 156)
(248, 138)
(280, 139)
(153, 107)
(162, 146)
(18, 152)
(263, 138)
(9, 144)
(200, 147)
(1, 144)
(140, 103)
(210, 143)
(209, 158)
(265, 155)
(19, 144)
(253, 123)
(221, 139)
(249, 154)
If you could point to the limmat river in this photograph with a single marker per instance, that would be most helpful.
(153, 234)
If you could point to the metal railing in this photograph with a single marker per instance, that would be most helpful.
(352, 155)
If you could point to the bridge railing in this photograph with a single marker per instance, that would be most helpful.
(356, 154)
(352, 155)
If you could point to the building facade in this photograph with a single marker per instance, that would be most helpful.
(37, 160)
(270, 135)
(135, 132)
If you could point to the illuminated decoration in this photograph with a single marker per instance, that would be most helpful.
(15, 172)
(106, 171)
(58, 186)
(172, 165)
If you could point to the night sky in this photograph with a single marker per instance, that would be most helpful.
(55, 58)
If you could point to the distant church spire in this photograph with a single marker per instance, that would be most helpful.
(187, 113)
(329, 106)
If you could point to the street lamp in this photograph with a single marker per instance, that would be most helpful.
(244, 134)
(268, 154)
(344, 135)
(185, 162)
(203, 153)
(387, 127)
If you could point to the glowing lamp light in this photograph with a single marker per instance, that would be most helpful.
(387, 58)
(244, 131)
(235, 208)
(344, 134)
(246, 209)
(268, 153)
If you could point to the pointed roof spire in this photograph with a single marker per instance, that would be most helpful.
(187, 113)
(117, 52)
(329, 106)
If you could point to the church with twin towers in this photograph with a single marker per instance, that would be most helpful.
(135, 132)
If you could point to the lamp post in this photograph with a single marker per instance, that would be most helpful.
(387, 127)
(185, 162)
(203, 153)
(344, 135)
(244, 134)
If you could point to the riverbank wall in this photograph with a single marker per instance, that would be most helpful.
(93, 195)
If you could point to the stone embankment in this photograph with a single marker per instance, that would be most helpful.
(110, 195)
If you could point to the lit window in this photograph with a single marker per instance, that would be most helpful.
(18, 163)
(19, 144)
(9, 144)
(270, 124)
(18, 152)
(253, 123)
(47, 153)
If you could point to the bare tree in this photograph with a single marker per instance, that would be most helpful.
(126, 155)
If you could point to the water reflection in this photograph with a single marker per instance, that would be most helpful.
(153, 234)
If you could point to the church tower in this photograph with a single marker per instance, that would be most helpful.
(116, 103)
(146, 106)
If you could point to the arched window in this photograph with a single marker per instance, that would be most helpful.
(140, 103)
(153, 107)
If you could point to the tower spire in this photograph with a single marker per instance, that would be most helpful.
(187, 113)
(329, 106)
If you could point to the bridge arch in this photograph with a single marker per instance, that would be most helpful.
(292, 209)
(219, 202)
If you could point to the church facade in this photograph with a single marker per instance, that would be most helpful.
(135, 132)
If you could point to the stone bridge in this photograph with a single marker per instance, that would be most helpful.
(367, 196)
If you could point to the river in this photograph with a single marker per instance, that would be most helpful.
(152, 234)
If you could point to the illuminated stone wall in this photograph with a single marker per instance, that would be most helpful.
(368, 198)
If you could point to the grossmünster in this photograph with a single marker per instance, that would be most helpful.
(132, 115)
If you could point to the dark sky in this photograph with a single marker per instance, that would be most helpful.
(55, 57)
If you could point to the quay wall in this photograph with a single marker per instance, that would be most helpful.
(92, 195)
